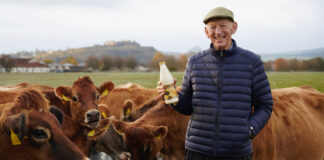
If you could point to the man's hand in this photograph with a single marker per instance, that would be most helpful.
(161, 88)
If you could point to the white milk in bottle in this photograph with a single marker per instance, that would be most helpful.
(170, 95)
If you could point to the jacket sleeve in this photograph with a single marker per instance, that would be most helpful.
(261, 98)
(184, 105)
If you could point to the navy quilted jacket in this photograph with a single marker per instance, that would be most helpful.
(218, 91)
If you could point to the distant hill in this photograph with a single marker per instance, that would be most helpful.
(110, 48)
(303, 54)
(143, 54)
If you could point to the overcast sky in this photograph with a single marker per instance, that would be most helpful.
(264, 26)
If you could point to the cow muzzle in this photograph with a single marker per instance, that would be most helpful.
(92, 118)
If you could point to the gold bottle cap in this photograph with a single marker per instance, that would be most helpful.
(161, 63)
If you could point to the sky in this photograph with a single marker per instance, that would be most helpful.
(168, 25)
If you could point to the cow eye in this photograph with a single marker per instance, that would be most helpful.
(74, 99)
(98, 97)
(39, 134)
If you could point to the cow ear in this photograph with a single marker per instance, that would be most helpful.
(105, 88)
(104, 110)
(160, 132)
(15, 126)
(128, 107)
(57, 113)
(64, 93)
(118, 125)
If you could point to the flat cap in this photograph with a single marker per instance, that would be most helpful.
(219, 12)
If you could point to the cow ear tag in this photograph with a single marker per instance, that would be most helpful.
(91, 133)
(14, 138)
(104, 114)
(105, 93)
(127, 111)
(65, 98)
(158, 136)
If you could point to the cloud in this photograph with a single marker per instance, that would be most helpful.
(167, 25)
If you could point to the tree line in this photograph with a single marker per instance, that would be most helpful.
(106, 63)
(174, 63)
(281, 64)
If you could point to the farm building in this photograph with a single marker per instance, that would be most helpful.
(29, 65)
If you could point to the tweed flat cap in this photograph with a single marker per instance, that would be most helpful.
(219, 12)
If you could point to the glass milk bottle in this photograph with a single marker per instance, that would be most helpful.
(170, 95)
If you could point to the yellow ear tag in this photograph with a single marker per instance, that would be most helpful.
(91, 133)
(128, 111)
(106, 127)
(65, 98)
(14, 138)
(105, 93)
(104, 114)
(158, 136)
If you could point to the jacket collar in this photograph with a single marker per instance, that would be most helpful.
(226, 53)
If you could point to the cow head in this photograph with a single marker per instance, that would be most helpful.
(130, 113)
(83, 98)
(34, 132)
(112, 143)
(144, 142)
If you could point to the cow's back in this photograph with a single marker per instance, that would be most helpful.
(296, 127)
(118, 96)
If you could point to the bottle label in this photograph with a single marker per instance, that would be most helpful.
(170, 92)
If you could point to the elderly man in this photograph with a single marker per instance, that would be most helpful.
(226, 92)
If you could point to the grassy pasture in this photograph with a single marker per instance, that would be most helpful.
(149, 79)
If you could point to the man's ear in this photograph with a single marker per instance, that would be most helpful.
(128, 107)
(64, 93)
(234, 27)
(106, 88)
(57, 113)
(15, 126)
(206, 31)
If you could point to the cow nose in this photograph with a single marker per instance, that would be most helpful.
(93, 116)
(86, 158)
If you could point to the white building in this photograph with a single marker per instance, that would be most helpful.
(28, 65)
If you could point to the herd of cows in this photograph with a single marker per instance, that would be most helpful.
(132, 122)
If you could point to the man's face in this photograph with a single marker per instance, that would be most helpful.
(220, 31)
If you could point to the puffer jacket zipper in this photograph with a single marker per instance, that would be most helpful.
(219, 96)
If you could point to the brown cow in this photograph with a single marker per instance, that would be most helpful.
(132, 113)
(29, 131)
(296, 127)
(160, 131)
(8, 93)
(130, 85)
(118, 96)
(80, 106)
(294, 131)
(115, 101)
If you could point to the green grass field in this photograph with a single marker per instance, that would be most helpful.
(149, 79)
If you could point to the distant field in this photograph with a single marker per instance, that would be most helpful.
(149, 79)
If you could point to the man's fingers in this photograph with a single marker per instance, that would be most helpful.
(174, 81)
